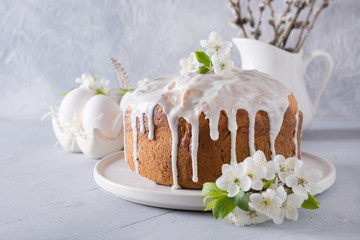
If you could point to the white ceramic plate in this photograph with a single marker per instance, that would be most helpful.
(113, 175)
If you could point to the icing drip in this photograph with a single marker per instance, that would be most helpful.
(275, 126)
(194, 149)
(173, 124)
(142, 124)
(233, 147)
(150, 115)
(124, 135)
(135, 133)
(232, 126)
(189, 95)
(296, 133)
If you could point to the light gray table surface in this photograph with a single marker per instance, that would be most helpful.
(47, 193)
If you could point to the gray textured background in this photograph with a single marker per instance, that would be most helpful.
(45, 45)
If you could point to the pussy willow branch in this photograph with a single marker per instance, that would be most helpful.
(281, 22)
(257, 31)
(272, 22)
(306, 22)
(284, 37)
(251, 16)
(281, 32)
(308, 29)
(238, 21)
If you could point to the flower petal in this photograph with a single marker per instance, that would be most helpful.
(204, 43)
(294, 201)
(259, 157)
(256, 198)
(292, 214)
(214, 36)
(279, 158)
(245, 183)
(300, 190)
(233, 190)
(281, 193)
(291, 180)
(279, 218)
(225, 168)
(257, 184)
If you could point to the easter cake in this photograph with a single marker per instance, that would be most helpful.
(180, 130)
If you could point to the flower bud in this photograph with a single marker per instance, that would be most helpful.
(261, 7)
(298, 24)
(271, 21)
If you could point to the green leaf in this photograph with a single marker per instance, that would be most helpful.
(124, 90)
(210, 205)
(204, 69)
(310, 203)
(98, 91)
(269, 182)
(223, 207)
(209, 188)
(65, 93)
(241, 201)
(215, 195)
(202, 57)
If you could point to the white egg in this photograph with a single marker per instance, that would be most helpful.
(73, 104)
(103, 113)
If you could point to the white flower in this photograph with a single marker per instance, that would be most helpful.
(85, 80)
(189, 64)
(215, 45)
(233, 179)
(258, 168)
(88, 82)
(242, 218)
(303, 181)
(290, 205)
(222, 64)
(286, 166)
(103, 85)
(267, 203)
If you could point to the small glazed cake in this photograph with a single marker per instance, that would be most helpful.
(180, 130)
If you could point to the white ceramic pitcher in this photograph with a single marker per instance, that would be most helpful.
(288, 68)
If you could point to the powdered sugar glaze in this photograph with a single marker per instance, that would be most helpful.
(188, 95)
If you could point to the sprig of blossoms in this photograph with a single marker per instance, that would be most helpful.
(189, 64)
(217, 55)
(95, 86)
(90, 83)
(257, 190)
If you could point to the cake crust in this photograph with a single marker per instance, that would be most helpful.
(154, 155)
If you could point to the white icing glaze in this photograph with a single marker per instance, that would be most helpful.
(194, 149)
(189, 95)
(135, 133)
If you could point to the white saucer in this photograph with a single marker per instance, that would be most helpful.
(113, 175)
